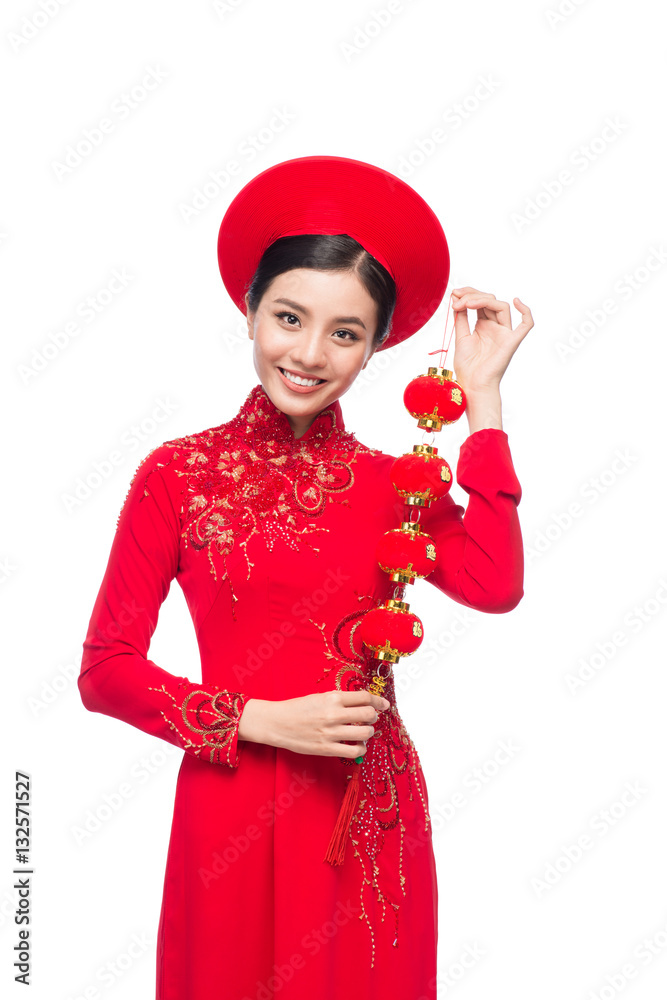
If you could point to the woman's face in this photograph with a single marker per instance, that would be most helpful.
(316, 325)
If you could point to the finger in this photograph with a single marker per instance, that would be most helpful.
(524, 310)
(527, 323)
(463, 289)
(380, 703)
(497, 312)
(482, 300)
(362, 697)
(363, 716)
(500, 312)
(461, 326)
(359, 697)
(348, 750)
(361, 731)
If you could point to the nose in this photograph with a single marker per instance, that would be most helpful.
(308, 352)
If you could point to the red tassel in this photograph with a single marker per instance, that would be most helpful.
(336, 850)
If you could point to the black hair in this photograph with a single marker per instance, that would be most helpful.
(321, 252)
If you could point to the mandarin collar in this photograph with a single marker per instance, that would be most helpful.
(264, 418)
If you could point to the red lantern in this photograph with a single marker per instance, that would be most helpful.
(391, 631)
(406, 552)
(435, 398)
(421, 476)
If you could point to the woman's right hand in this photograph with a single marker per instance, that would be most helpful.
(314, 723)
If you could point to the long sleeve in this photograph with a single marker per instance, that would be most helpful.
(480, 560)
(116, 677)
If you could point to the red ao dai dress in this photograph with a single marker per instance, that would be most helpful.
(272, 540)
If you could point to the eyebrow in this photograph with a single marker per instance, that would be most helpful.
(337, 319)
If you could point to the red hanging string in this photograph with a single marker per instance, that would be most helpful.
(444, 349)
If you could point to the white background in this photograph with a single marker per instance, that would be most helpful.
(580, 408)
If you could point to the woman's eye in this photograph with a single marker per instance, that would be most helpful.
(287, 316)
(283, 315)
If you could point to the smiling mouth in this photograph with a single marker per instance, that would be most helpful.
(299, 380)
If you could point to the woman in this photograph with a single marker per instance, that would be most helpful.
(269, 523)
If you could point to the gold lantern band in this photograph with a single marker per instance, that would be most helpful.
(416, 500)
(388, 653)
(411, 527)
(394, 605)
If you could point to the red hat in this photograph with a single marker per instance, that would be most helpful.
(334, 194)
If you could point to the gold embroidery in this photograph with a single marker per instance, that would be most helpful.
(251, 476)
(390, 754)
(213, 718)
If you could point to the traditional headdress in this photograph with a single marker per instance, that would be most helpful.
(334, 194)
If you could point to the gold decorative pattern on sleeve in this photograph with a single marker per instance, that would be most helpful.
(212, 718)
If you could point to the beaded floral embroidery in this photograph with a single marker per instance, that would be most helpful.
(212, 718)
(390, 753)
(252, 476)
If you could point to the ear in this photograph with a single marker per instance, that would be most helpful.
(367, 359)
(250, 317)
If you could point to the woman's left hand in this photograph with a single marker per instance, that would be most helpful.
(482, 356)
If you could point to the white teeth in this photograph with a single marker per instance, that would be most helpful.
(299, 380)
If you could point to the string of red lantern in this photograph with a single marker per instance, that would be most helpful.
(405, 553)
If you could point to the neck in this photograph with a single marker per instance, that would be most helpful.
(299, 425)
(289, 428)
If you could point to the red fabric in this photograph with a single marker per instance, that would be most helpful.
(272, 540)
